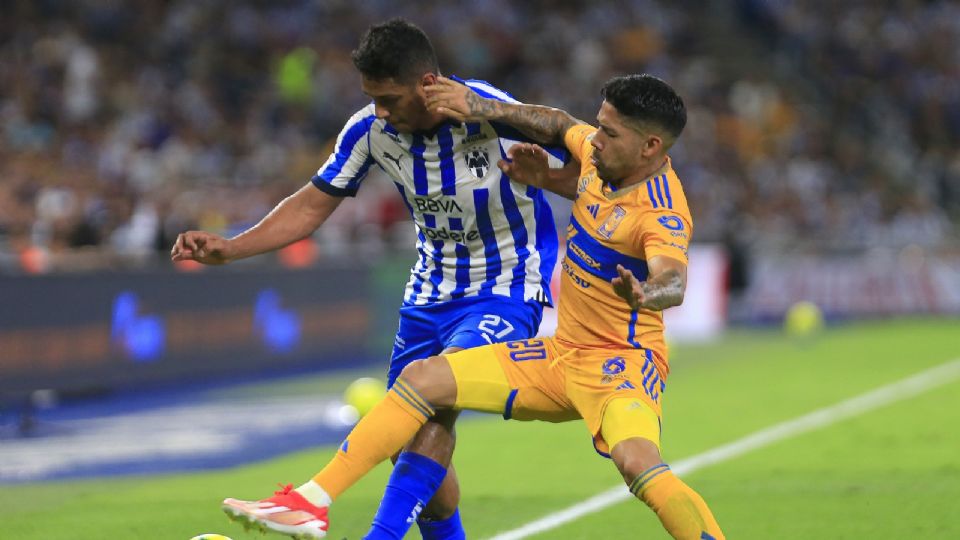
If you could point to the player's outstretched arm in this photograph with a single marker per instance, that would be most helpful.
(294, 218)
(528, 164)
(542, 124)
(663, 288)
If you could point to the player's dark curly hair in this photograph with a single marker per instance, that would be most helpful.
(395, 49)
(647, 100)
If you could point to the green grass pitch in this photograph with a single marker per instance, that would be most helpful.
(893, 472)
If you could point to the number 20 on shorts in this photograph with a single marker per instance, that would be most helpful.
(527, 349)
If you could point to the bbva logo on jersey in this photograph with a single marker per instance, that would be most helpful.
(671, 222)
(478, 161)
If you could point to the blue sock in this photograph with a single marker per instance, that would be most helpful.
(413, 482)
(443, 529)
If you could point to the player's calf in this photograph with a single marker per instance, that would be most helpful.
(634, 450)
(419, 483)
(681, 510)
(437, 440)
(445, 501)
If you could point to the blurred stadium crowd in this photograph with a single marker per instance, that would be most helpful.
(812, 125)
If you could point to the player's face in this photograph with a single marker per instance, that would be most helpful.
(402, 105)
(619, 150)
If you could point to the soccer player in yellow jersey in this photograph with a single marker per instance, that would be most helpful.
(625, 263)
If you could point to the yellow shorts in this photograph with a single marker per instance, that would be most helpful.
(617, 392)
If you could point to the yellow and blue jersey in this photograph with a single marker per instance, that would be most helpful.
(610, 227)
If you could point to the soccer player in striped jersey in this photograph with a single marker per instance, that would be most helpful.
(487, 246)
(626, 262)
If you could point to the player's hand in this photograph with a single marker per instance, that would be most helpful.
(200, 246)
(526, 163)
(456, 100)
(628, 287)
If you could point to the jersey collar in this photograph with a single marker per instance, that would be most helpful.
(612, 193)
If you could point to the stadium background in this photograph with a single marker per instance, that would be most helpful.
(821, 161)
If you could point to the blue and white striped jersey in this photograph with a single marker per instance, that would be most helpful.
(479, 233)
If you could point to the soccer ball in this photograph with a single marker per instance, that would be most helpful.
(210, 536)
(364, 393)
(803, 319)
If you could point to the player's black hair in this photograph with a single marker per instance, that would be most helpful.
(395, 49)
(647, 100)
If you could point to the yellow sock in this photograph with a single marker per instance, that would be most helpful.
(383, 431)
(681, 510)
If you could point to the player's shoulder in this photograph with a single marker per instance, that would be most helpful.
(662, 193)
(362, 119)
(365, 114)
(359, 123)
(365, 121)
(487, 90)
(577, 140)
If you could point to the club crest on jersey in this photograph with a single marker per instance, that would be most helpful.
(478, 161)
(612, 222)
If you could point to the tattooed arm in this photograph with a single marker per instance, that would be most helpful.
(663, 288)
(545, 125)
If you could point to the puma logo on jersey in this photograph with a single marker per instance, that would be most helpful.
(396, 160)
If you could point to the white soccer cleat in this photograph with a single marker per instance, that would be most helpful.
(287, 512)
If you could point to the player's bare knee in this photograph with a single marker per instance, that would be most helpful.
(634, 456)
(446, 418)
(433, 379)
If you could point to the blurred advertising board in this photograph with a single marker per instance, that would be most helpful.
(855, 286)
(120, 328)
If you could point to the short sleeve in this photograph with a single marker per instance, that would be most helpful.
(346, 168)
(666, 232)
(578, 140)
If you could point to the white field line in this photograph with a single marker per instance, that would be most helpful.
(885, 395)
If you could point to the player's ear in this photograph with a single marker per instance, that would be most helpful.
(425, 80)
(428, 79)
(653, 145)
